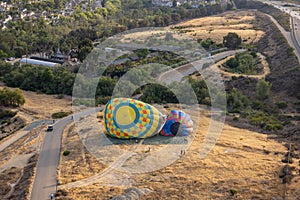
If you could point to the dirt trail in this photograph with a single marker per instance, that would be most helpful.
(19, 161)
(266, 69)
(103, 175)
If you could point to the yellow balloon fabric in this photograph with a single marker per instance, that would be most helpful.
(129, 118)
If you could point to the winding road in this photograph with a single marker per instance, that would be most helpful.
(45, 181)
(179, 72)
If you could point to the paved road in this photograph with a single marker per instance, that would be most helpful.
(45, 178)
(288, 36)
(180, 72)
(295, 34)
(22, 133)
(292, 37)
(45, 181)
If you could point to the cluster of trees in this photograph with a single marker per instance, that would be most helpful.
(242, 63)
(238, 103)
(258, 109)
(232, 40)
(156, 93)
(11, 97)
(144, 57)
(57, 80)
(209, 44)
(24, 37)
(40, 79)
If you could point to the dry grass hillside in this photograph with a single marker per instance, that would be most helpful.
(216, 27)
(243, 165)
(18, 160)
(43, 106)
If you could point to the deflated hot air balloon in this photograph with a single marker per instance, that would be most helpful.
(128, 118)
(178, 123)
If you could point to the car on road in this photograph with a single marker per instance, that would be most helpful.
(50, 128)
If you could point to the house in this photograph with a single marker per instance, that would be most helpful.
(59, 56)
(168, 3)
(97, 4)
(193, 3)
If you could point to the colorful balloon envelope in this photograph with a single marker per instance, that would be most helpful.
(178, 123)
(129, 118)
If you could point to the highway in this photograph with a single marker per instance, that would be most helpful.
(295, 33)
(293, 37)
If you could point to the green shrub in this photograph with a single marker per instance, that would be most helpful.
(234, 78)
(233, 191)
(242, 63)
(4, 114)
(59, 115)
(273, 127)
(60, 96)
(66, 153)
(281, 105)
(263, 89)
(269, 123)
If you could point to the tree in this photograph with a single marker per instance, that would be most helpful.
(3, 54)
(236, 102)
(232, 40)
(208, 43)
(263, 89)
(232, 63)
(174, 3)
(85, 43)
(156, 93)
(143, 53)
(58, 3)
(11, 98)
(84, 52)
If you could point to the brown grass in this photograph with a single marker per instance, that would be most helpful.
(216, 27)
(79, 163)
(43, 106)
(243, 160)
